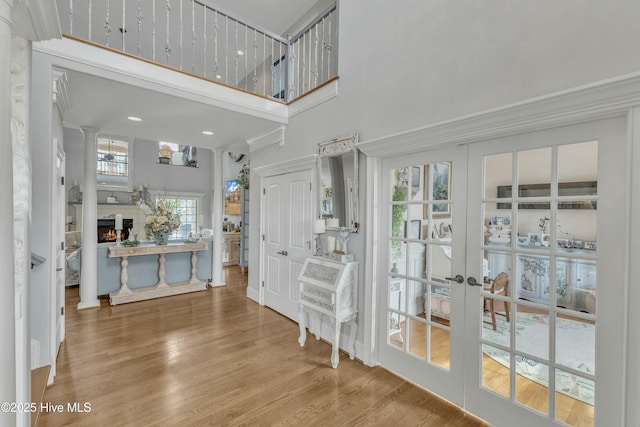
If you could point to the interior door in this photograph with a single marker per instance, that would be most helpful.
(287, 236)
(422, 307)
(533, 226)
(58, 293)
(547, 209)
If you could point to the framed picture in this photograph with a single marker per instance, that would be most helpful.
(413, 229)
(590, 245)
(562, 243)
(545, 239)
(231, 197)
(440, 190)
(533, 239)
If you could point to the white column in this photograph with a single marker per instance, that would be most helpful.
(89, 266)
(217, 206)
(20, 81)
(7, 292)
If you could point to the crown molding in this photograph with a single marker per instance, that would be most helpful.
(275, 137)
(293, 165)
(60, 94)
(36, 20)
(599, 100)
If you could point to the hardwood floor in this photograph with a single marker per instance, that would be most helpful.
(496, 377)
(218, 358)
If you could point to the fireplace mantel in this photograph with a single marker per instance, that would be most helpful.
(110, 210)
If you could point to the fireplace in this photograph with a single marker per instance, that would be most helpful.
(107, 232)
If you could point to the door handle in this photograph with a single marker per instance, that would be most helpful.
(472, 281)
(285, 253)
(459, 278)
(59, 269)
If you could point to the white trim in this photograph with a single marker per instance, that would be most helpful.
(253, 295)
(313, 99)
(36, 20)
(368, 320)
(293, 165)
(600, 100)
(60, 94)
(35, 354)
(632, 296)
(77, 56)
(274, 137)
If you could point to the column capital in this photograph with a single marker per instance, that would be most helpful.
(89, 130)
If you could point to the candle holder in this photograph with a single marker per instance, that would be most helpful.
(344, 239)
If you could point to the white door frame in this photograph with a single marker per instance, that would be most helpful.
(600, 100)
(266, 171)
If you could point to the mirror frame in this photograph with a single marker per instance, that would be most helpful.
(336, 147)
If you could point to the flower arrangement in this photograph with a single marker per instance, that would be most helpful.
(161, 219)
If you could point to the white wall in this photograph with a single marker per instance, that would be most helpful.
(423, 62)
(146, 170)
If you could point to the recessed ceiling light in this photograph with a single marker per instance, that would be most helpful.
(207, 132)
(240, 53)
(134, 119)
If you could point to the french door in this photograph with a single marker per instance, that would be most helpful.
(502, 283)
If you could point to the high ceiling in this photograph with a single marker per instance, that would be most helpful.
(105, 104)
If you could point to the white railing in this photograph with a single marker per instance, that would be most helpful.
(193, 37)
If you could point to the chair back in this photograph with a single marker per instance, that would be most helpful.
(500, 284)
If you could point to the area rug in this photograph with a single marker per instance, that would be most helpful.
(575, 349)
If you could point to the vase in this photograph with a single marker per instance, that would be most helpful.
(161, 238)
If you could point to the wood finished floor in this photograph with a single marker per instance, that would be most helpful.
(495, 377)
(218, 358)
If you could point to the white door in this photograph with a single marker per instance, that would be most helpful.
(426, 212)
(57, 325)
(288, 202)
(543, 208)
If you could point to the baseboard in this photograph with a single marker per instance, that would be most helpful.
(39, 377)
(35, 353)
(253, 294)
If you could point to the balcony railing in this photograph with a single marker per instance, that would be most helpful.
(193, 37)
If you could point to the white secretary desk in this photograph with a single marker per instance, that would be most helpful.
(329, 290)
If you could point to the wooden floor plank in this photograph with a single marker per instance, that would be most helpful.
(39, 379)
(218, 358)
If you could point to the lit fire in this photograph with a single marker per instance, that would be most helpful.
(109, 236)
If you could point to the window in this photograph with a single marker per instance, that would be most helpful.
(170, 153)
(115, 164)
(188, 208)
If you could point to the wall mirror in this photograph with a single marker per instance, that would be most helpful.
(338, 178)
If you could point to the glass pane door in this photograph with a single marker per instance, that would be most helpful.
(539, 289)
(423, 307)
(535, 250)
